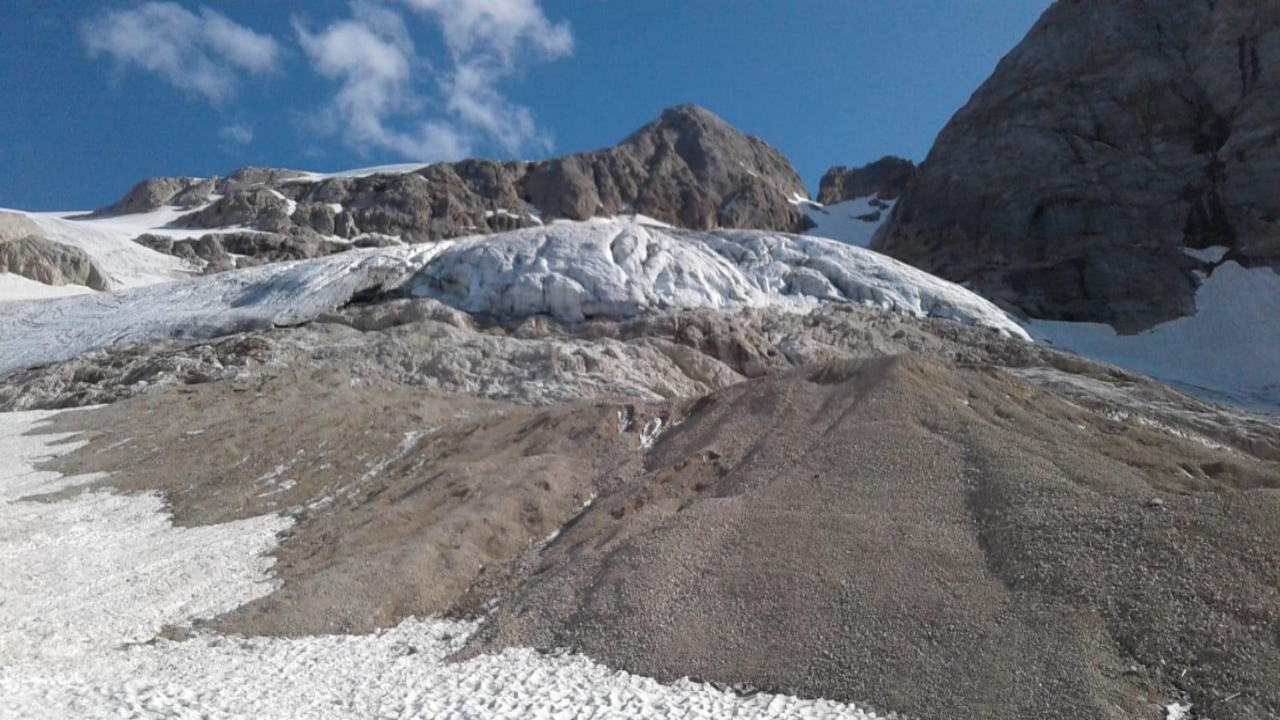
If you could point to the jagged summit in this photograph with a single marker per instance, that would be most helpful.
(688, 168)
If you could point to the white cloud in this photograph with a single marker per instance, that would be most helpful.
(387, 87)
(201, 53)
(238, 134)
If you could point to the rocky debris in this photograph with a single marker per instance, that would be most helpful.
(103, 377)
(1001, 553)
(1115, 137)
(934, 537)
(884, 179)
(688, 168)
(151, 195)
(219, 252)
(45, 261)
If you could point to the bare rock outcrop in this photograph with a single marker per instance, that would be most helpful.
(1114, 138)
(218, 252)
(886, 179)
(45, 261)
(688, 168)
(151, 195)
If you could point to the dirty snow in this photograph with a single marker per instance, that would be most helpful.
(91, 580)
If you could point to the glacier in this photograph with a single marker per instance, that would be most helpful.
(570, 271)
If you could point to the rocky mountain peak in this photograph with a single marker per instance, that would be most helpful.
(688, 168)
(1114, 139)
(885, 179)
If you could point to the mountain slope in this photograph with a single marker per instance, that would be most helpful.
(1116, 143)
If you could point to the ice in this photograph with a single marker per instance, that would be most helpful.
(620, 269)
(571, 271)
(44, 331)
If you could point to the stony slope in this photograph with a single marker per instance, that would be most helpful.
(934, 538)
(1113, 140)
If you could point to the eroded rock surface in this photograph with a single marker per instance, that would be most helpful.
(1114, 138)
(36, 258)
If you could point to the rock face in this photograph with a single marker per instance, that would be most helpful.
(1115, 137)
(42, 260)
(886, 179)
(688, 168)
(151, 195)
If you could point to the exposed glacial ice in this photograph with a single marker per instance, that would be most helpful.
(572, 271)
(576, 271)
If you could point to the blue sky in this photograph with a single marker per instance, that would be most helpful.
(102, 93)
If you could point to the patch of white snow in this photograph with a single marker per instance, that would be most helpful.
(1227, 350)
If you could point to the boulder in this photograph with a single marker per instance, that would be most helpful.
(45, 261)
(1113, 139)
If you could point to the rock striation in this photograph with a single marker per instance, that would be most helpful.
(1116, 137)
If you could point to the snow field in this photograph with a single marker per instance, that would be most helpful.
(92, 578)
(1229, 348)
(842, 221)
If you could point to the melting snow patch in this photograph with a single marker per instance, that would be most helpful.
(853, 222)
(86, 574)
(1211, 255)
(401, 673)
(1178, 711)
